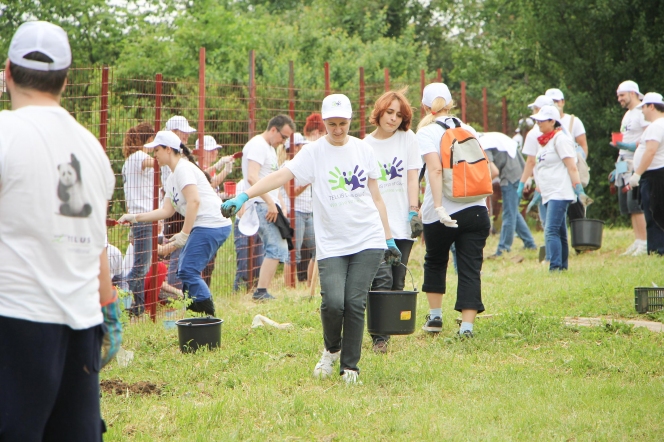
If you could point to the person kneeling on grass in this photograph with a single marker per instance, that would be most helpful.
(189, 192)
(351, 228)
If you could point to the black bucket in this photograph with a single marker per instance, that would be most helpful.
(199, 332)
(587, 233)
(391, 312)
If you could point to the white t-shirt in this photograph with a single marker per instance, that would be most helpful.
(396, 156)
(530, 144)
(303, 202)
(654, 132)
(114, 260)
(258, 150)
(632, 127)
(577, 129)
(429, 142)
(138, 183)
(55, 183)
(551, 173)
(346, 220)
(209, 211)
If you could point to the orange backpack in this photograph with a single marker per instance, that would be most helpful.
(466, 172)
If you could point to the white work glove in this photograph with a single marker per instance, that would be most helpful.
(445, 218)
(224, 162)
(128, 218)
(634, 180)
(179, 240)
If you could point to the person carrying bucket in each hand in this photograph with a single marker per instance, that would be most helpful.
(351, 228)
(399, 163)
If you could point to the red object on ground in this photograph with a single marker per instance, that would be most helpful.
(162, 273)
(616, 137)
(230, 187)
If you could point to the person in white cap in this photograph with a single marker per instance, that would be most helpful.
(558, 181)
(649, 171)
(188, 192)
(220, 169)
(352, 231)
(446, 222)
(55, 185)
(180, 127)
(531, 146)
(399, 160)
(632, 127)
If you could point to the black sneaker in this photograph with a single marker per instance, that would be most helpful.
(262, 296)
(433, 325)
(467, 334)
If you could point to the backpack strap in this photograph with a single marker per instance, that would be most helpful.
(571, 125)
(443, 125)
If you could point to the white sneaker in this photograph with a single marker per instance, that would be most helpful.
(631, 249)
(641, 249)
(324, 368)
(350, 377)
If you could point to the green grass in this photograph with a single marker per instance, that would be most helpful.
(525, 376)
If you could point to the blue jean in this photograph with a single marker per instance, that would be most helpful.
(172, 278)
(142, 233)
(304, 233)
(243, 266)
(275, 246)
(654, 235)
(555, 234)
(513, 221)
(201, 246)
(542, 214)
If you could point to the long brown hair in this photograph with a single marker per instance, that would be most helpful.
(384, 102)
(136, 137)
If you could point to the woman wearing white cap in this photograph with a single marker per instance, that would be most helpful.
(558, 181)
(399, 162)
(446, 222)
(189, 192)
(351, 230)
(219, 169)
(649, 171)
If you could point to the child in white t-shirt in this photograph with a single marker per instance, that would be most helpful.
(351, 227)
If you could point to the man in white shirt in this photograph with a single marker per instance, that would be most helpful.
(632, 127)
(55, 183)
(259, 159)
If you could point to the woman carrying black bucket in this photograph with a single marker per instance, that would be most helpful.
(399, 163)
(350, 225)
(447, 222)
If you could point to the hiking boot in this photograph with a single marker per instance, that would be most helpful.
(262, 296)
(433, 325)
(324, 368)
(380, 347)
(350, 377)
(467, 334)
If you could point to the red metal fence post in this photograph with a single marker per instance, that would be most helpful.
(363, 123)
(327, 79)
(252, 95)
(422, 81)
(505, 129)
(463, 101)
(439, 75)
(202, 161)
(485, 111)
(151, 294)
(291, 183)
(387, 79)
(103, 114)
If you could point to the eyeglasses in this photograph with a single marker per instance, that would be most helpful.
(283, 137)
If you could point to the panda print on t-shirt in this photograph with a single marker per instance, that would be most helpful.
(70, 190)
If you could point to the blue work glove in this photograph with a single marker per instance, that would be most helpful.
(231, 206)
(519, 190)
(416, 226)
(627, 146)
(112, 330)
(578, 189)
(392, 254)
(537, 197)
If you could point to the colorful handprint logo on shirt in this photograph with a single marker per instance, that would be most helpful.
(175, 199)
(340, 179)
(392, 169)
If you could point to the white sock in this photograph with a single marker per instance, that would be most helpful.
(466, 326)
(436, 312)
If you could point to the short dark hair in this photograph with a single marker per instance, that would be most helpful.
(280, 121)
(44, 81)
(658, 107)
(556, 123)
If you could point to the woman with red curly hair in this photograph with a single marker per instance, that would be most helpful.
(314, 128)
(399, 162)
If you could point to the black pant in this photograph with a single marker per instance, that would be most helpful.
(469, 238)
(49, 382)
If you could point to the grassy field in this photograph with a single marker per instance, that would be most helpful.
(525, 375)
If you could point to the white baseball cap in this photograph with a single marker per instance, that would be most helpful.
(629, 86)
(165, 138)
(547, 113)
(40, 36)
(298, 139)
(434, 90)
(651, 98)
(555, 94)
(209, 143)
(336, 105)
(180, 123)
(541, 101)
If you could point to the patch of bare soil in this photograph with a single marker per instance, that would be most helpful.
(119, 387)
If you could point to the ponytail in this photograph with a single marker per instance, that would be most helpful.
(438, 108)
(187, 154)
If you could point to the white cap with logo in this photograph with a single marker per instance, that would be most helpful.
(651, 98)
(336, 106)
(629, 86)
(555, 94)
(541, 101)
(547, 113)
(40, 36)
(165, 138)
(298, 139)
(434, 90)
(209, 143)
(180, 123)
